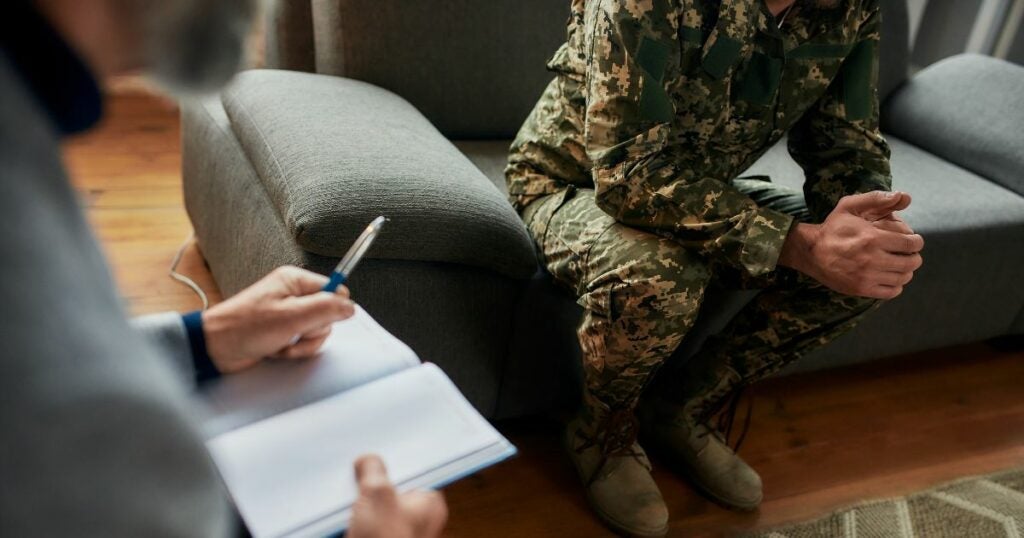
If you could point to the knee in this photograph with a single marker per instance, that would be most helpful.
(662, 306)
(674, 300)
(822, 298)
(645, 296)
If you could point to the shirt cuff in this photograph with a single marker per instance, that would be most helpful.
(764, 239)
(204, 367)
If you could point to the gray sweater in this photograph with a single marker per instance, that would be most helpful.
(99, 437)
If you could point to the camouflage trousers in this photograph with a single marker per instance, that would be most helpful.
(642, 293)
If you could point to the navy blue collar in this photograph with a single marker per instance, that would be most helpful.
(54, 73)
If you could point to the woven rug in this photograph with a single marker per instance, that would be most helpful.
(979, 507)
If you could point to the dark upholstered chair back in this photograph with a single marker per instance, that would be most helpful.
(473, 67)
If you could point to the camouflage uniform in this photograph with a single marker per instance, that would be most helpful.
(626, 169)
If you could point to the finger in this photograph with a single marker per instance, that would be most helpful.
(313, 339)
(884, 293)
(298, 281)
(322, 332)
(304, 349)
(900, 263)
(368, 465)
(893, 225)
(319, 334)
(372, 477)
(890, 279)
(426, 510)
(874, 205)
(310, 312)
(905, 201)
(899, 243)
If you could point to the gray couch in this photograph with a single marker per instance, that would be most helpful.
(409, 112)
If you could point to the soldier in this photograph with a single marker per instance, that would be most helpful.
(626, 175)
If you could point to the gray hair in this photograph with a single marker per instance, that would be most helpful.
(194, 46)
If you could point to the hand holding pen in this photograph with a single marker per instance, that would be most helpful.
(283, 316)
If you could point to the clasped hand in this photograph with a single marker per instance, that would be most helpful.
(863, 248)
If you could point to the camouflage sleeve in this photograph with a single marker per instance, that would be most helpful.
(638, 179)
(838, 142)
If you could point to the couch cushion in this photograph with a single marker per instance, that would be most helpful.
(333, 154)
(947, 198)
(970, 110)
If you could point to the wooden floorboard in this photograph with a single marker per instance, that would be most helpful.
(820, 440)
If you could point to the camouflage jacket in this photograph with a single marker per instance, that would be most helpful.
(659, 104)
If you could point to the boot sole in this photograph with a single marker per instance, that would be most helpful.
(609, 521)
(682, 469)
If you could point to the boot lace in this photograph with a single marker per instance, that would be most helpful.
(726, 419)
(616, 436)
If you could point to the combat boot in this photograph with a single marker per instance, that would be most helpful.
(615, 471)
(698, 451)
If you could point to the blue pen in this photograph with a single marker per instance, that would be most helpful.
(354, 254)
(348, 264)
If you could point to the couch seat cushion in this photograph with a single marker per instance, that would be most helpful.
(334, 153)
(947, 198)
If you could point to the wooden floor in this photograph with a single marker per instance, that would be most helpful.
(820, 441)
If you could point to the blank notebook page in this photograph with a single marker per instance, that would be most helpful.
(296, 468)
(358, 351)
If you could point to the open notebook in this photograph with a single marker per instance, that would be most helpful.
(285, 435)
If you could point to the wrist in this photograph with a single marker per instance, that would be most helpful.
(195, 327)
(797, 250)
(214, 330)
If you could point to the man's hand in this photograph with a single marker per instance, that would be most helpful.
(263, 320)
(381, 513)
(863, 248)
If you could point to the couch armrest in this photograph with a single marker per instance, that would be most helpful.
(333, 153)
(968, 110)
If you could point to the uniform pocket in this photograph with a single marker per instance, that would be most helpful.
(655, 104)
(691, 45)
(537, 215)
(859, 79)
(721, 53)
(817, 65)
(816, 78)
(630, 154)
(820, 51)
(759, 82)
(597, 301)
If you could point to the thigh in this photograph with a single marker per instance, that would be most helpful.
(620, 271)
(787, 321)
(565, 226)
(641, 294)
